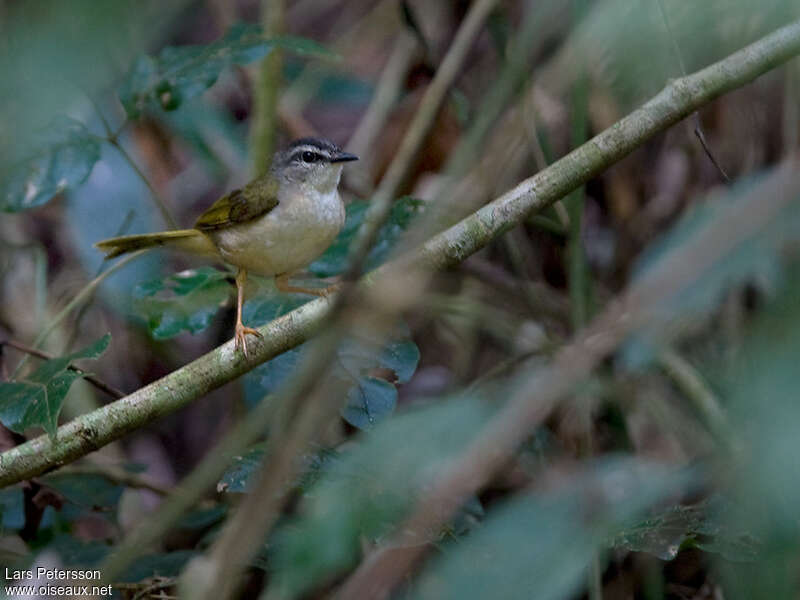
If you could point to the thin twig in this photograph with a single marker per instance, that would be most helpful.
(98, 383)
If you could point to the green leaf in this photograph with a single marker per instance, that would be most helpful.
(12, 509)
(369, 398)
(185, 301)
(705, 525)
(62, 158)
(369, 401)
(36, 400)
(202, 518)
(761, 385)
(366, 490)
(90, 491)
(260, 311)
(74, 552)
(237, 477)
(334, 260)
(182, 72)
(541, 545)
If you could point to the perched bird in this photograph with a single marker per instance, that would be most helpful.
(274, 225)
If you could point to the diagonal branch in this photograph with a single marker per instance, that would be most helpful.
(679, 98)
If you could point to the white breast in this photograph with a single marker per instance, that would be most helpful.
(286, 239)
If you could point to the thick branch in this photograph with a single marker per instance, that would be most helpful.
(679, 99)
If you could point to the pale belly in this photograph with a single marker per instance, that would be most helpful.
(284, 240)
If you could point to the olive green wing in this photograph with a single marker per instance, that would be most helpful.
(253, 200)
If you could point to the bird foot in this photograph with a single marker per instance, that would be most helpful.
(240, 339)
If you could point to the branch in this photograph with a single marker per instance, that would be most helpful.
(679, 98)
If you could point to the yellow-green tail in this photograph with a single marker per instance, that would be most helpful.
(187, 240)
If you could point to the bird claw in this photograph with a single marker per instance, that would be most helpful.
(240, 340)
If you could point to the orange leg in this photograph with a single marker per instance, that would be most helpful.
(240, 340)
(283, 285)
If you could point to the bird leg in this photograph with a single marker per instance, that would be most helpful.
(283, 285)
(240, 340)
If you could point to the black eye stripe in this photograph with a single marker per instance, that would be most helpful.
(307, 156)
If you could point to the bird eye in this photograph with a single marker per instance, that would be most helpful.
(310, 157)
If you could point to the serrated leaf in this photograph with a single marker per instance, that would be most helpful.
(36, 400)
(182, 72)
(334, 260)
(368, 489)
(185, 301)
(62, 158)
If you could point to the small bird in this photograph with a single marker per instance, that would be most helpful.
(273, 226)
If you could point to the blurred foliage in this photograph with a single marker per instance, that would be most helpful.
(182, 110)
(66, 154)
(706, 525)
(361, 496)
(701, 32)
(757, 260)
(762, 384)
(182, 72)
(369, 398)
(53, 54)
(542, 545)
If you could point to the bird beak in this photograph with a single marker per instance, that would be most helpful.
(343, 157)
